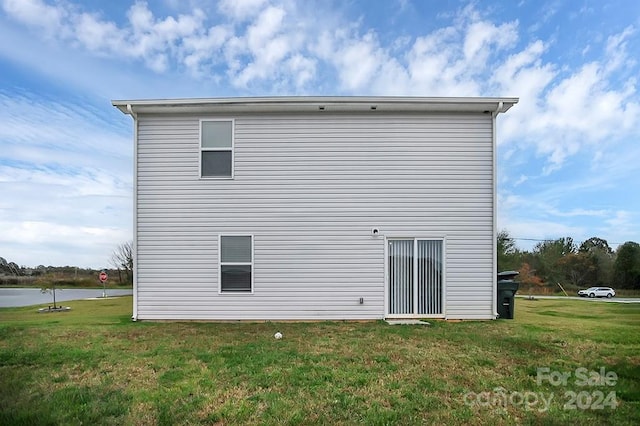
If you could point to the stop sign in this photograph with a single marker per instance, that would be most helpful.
(103, 276)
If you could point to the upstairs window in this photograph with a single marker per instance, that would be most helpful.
(216, 148)
(236, 264)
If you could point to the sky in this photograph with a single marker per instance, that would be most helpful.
(568, 153)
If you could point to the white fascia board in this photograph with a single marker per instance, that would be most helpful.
(318, 104)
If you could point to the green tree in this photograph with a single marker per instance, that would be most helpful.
(595, 245)
(601, 257)
(627, 266)
(577, 268)
(547, 257)
(11, 268)
(508, 254)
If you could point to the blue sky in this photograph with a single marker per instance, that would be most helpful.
(568, 153)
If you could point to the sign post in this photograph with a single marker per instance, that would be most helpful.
(103, 279)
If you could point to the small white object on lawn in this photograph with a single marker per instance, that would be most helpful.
(278, 335)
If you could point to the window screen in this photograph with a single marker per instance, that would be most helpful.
(236, 263)
(216, 146)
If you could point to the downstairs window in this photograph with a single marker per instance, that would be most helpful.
(236, 264)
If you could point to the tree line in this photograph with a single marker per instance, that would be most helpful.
(8, 268)
(120, 271)
(591, 263)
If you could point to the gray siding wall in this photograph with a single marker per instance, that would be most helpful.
(309, 188)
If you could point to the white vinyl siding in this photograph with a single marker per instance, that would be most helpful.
(309, 188)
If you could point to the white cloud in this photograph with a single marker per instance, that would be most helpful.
(147, 38)
(44, 242)
(48, 131)
(266, 26)
(447, 61)
(521, 180)
(483, 37)
(38, 14)
(271, 43)
(357, 59)
(566, 110)
(616, 50)
(620, 227)
(579, 212)
(279, 38)
(433, 66)
(241, 10)
(542, 214)
(266, 46)
(263, 50)
(455, 60)
(30, 232)
(302, 69)
(573, 111)
(97, 36)
(539, 230)
(582, 110)
(65, 179)
(201, 51)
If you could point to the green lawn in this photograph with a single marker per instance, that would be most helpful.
(92, 365)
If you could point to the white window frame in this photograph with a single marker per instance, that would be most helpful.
(232, 149)
(220, 263)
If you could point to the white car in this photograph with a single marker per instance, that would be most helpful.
(597, 292)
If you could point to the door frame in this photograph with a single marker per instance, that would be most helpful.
(415, 238)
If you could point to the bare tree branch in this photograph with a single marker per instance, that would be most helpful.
(122, 260)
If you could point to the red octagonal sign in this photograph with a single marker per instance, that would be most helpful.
(103, 276)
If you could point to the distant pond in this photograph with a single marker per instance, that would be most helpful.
(12, 297)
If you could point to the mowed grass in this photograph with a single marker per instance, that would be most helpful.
(92, 365)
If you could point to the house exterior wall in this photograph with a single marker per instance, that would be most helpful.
(310, 187)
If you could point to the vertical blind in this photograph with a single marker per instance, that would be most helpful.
(429, 277)
(415, 277)
(401, 276)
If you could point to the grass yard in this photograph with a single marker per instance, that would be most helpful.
(92, 365)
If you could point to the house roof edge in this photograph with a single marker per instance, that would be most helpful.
(317, 103)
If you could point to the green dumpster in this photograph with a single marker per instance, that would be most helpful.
(507, 288)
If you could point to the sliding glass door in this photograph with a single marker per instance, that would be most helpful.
(416, 277)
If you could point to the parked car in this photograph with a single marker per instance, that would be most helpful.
(597, 292)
